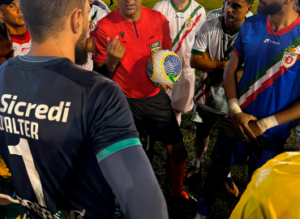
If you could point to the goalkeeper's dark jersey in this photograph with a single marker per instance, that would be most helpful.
(57, 122)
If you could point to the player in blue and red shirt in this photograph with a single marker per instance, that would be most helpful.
(266, 101)
(67, 134)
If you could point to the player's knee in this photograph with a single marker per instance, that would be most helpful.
(178, 153)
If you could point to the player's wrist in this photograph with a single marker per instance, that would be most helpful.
(234, 107)
(267, 123)
(110, 66)
(221, 65)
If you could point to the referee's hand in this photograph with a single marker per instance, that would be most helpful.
(115, 52)
(165, 87)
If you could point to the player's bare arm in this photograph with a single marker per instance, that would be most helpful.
(289, 114)
(115, 52)
(240, 120)
(204, 63)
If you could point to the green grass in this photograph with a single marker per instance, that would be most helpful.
(224, 203)
(207, 4)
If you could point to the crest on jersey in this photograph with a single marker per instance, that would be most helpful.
(92, 24)
(189, 23)
(289, 59)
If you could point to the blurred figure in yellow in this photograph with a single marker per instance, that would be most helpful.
(3, 169)
(273, 192)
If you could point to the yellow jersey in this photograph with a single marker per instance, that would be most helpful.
(273, 192)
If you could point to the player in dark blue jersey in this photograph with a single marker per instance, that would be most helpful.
(67, 134)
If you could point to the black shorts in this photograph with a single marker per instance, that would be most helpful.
(156, 116)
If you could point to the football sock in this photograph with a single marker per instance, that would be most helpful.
(211, 188)
(177, 172)
(199, 148)
(178, 118)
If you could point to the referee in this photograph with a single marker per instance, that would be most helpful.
(138, 32)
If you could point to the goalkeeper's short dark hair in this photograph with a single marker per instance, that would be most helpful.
(45, 18)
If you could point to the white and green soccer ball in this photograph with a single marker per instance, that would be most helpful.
(164, 67)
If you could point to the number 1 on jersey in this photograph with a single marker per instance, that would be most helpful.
(22, 149)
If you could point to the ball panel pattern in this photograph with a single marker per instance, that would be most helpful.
(164, 67)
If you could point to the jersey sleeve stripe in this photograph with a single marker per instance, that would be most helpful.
(118, 146)
(196, 52)
(183, 26)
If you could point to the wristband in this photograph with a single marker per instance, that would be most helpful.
(267, 123)
(234, 107)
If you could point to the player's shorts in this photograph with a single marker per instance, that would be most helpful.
(156, 116)
(183, 92)
(230, 151)
(205, 117)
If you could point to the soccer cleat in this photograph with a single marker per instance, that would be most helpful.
(231, 187)
(185, 197)
(191, 171)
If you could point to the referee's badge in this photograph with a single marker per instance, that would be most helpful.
(289, 59)
(155, 46)
(189, 23)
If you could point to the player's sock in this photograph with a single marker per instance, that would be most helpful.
(178, 117)
(211, 188)
(177, 172)
(199, 148)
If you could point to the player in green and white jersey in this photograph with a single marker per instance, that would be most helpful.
(186, 18)
(95, 15)
(211, 52)
(220, 12)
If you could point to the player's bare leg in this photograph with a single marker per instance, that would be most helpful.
(178, 116)
(200, 146)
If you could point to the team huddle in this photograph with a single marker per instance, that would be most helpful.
(76, 99)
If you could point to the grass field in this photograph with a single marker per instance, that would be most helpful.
(224, 204)
(207, 4)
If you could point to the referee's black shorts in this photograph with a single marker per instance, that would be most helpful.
(155, 115)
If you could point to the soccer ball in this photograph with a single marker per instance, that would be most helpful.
(164, 67)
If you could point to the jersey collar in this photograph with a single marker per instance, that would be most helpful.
(282, 31)
(183, 10)
(27, 40)
(225, 30)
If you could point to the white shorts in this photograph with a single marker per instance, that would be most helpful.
(183, 92)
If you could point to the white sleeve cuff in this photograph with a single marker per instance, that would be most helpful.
(234, 107)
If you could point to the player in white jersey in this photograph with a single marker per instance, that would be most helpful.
(220, 11)
(102, 5)
(12, 16)
(211, 52)
(185, 18)
(95, 15)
